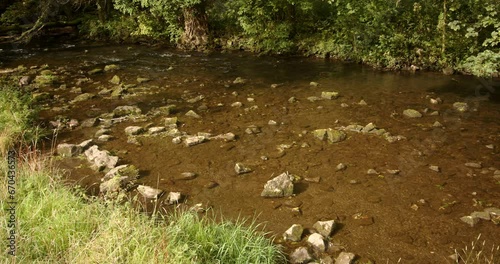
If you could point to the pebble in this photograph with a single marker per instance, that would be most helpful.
(473, 165)
(393, 172)
(341, 167)
(436, 101)
(187, 176)
(490, 146)
(272, 123)
(240, 168)
(437, 124)
(435, 168)
(211, 185)
(362, 102)
(314, 84)
(371, 171)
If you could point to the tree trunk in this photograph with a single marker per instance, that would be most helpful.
(195, 35)
(104, 7)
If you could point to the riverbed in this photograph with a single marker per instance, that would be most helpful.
(399, 196)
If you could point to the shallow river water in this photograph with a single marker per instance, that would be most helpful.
(403, 212)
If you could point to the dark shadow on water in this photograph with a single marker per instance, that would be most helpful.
(300, 187)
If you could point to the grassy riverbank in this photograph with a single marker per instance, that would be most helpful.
(57, 223)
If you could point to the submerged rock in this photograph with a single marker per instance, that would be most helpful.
(125, 110)
(340, 167)
(83, 97)
(115, 80)
(411, 113)
(240, 168)
(192, 114)
(461, 106)
(239, 80)
(470, 220)
(185, 176)
(111, 67)
(329, 95)
(280, 186)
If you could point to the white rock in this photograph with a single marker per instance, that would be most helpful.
(133, 130)
(300, 255)
(345, 258)
(177, 140)
(174, 197)
(325, 228)
(192, 114)
(156, 130)
(194, 140)
(317, 242)
(149, 192)
(294, 233)
(240, 168)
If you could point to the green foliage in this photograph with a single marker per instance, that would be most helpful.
(484, 64)
(160, 19)
(16, 116)
(199, 240)
(396, 34)
(116, 28)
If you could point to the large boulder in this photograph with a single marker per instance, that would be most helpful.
(300, 255)
(294, 233)
(101, 159)
(129, 171)
(149, 192)
(68, 150)
(325, 228)
(280, 186)
(317, 242)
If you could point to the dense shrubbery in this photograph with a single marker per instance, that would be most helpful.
(459, 34)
